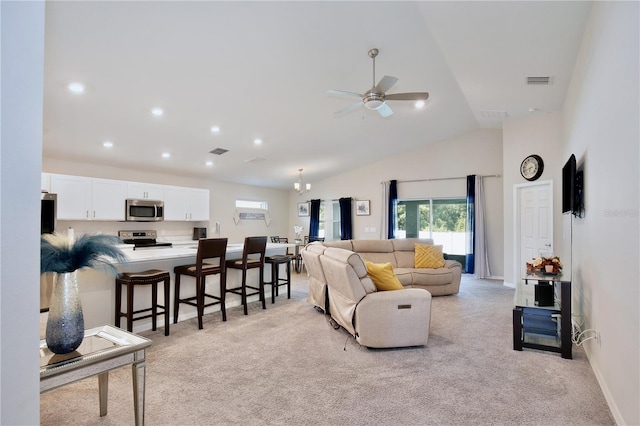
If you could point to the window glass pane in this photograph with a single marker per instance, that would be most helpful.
(449, 224)
(336, 220)
(251, 204)
(321, 226)
(401, 232)
(425, 220)
(443, 220)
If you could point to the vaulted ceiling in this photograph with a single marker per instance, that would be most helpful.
(263, 69)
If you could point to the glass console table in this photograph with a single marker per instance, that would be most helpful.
(103, 349)
(539, 323)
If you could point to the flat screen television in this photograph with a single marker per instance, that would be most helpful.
(569, 185)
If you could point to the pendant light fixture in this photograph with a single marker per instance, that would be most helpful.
(300, 186)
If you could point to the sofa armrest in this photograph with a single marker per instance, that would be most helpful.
(452, 264)
(387, 319)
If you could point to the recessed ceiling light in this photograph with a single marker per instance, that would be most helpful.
(76, 87)
(257, 141)
(107, 144)
(166, 155)
(419, 104)
(157, 112)
(215, 129)
(209, 163)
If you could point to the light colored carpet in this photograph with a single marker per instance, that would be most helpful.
(286, 365)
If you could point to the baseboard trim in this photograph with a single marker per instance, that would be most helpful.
(613, 407)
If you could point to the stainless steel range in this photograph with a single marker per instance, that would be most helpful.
(141, 239)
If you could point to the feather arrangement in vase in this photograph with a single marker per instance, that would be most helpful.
(62, 255)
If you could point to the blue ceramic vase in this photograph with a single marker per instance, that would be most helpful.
(65, 324)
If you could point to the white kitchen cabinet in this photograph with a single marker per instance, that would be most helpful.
(175, 203)
(108, 199)
(74, 196)
(45, 182)
(83, 198)
(198, 204)
(186, 204)
(145, 191)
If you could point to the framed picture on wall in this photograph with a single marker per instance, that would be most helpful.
(303, 209)
(362, 208)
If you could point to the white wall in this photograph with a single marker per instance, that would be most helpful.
(540, 133)
(22, 34)
(601, 119)
(477, 152)
(222, 203)
(599, 124)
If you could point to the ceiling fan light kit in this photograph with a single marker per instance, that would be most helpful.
(373, 100)
(376, 98)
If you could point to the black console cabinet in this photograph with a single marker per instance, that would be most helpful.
(538, 326)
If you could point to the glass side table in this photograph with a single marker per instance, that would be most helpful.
(103, 349)
(543, 325)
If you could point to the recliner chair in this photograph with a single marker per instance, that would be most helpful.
(377, 319)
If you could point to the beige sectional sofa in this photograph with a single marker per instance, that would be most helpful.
(401, 254)
(339, 284)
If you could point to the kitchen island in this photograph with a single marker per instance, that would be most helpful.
(97, 289)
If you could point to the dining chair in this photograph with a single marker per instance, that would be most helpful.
(252, 258)
(209, 248)
(277, 280)
(300, 262)
(308, 239)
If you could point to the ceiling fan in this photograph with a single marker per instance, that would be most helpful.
(376, 97)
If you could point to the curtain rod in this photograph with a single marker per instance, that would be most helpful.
(333, 199)
(446, 178)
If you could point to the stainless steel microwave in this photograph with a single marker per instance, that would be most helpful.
(144, 210)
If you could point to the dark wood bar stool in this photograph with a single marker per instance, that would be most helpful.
(276, 280)
(209, 248)
(151, 277)
(252, 258)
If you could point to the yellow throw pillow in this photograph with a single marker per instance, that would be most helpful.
(428, 256)
(383, 276)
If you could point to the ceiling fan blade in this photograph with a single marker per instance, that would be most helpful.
(344, 93)
(349, 108)
(417, 96)
(384, 110)
(386, 83)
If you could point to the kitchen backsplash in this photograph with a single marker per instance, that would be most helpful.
(167, 230)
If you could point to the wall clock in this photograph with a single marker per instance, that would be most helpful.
(532, 167)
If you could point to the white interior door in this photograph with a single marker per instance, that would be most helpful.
(534, 223)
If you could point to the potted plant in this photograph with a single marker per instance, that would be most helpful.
(63, 256)
(547, 265)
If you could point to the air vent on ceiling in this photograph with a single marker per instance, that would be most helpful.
(495, 114)
(218, 151)
(254, 160)
(539, 80)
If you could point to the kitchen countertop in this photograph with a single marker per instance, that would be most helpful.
(182, 249)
